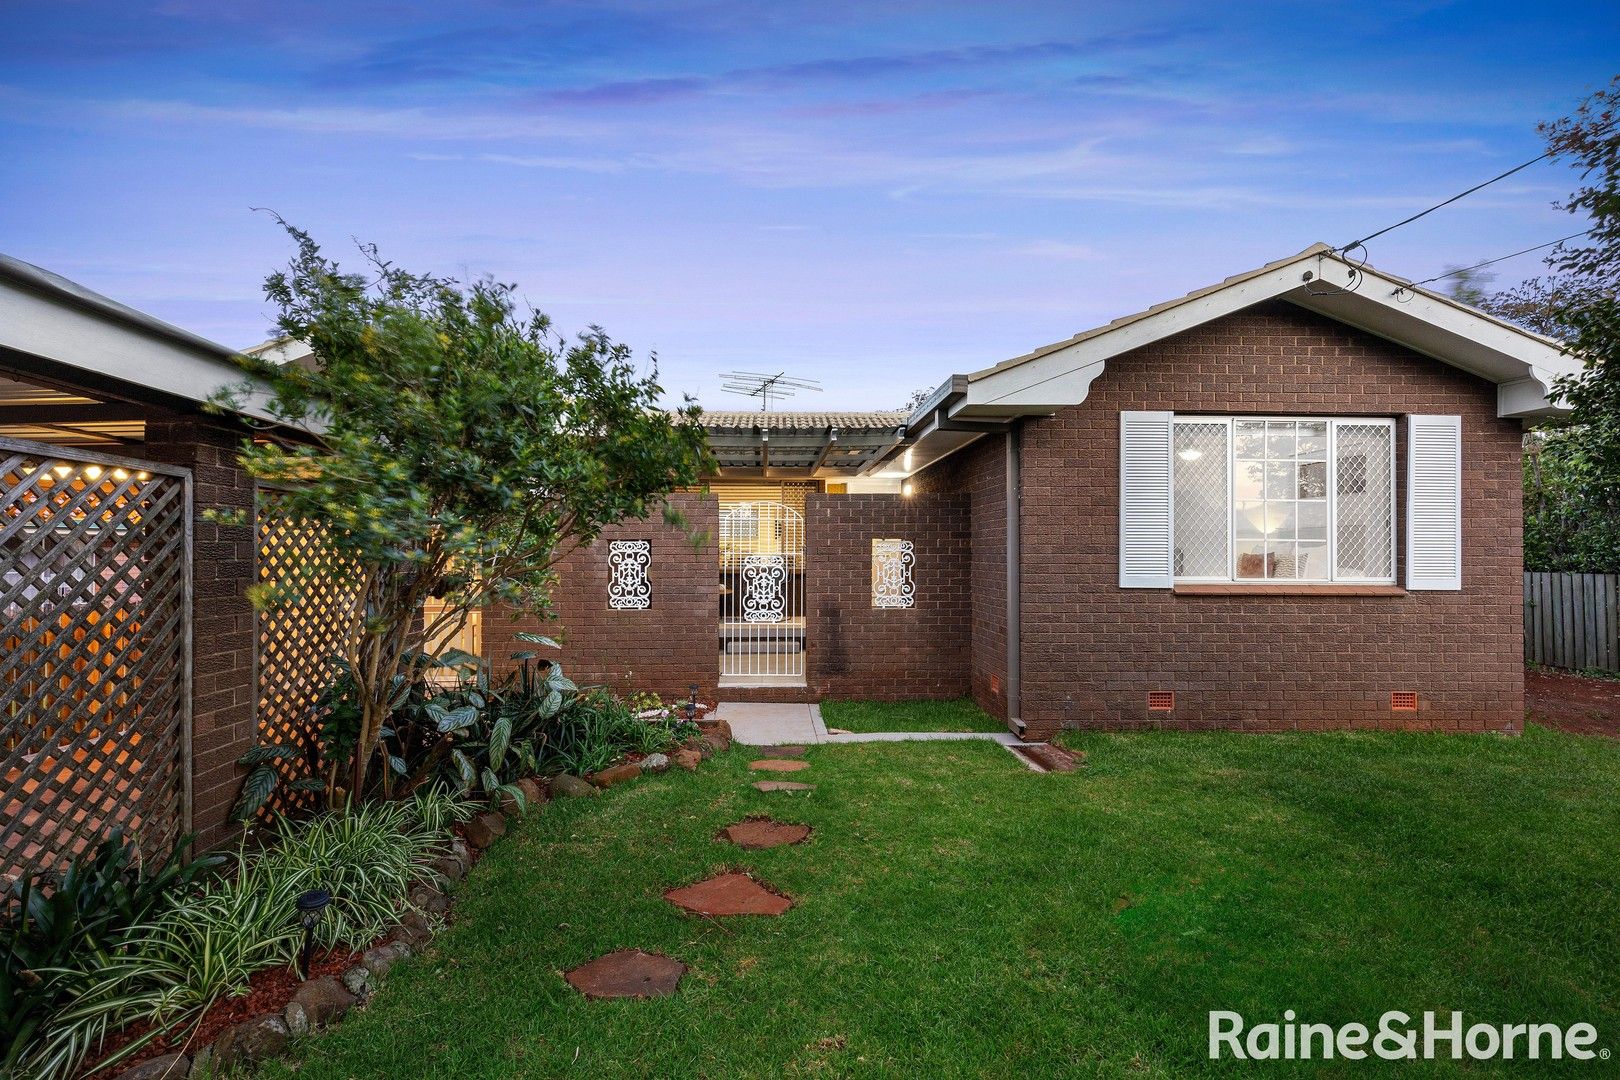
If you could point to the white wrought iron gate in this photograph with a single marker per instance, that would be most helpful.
(761, 593)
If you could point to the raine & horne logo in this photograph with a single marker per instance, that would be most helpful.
(1399, 1037)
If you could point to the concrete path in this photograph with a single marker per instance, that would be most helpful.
(756, 723)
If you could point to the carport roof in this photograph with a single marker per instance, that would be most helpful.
(831, 445)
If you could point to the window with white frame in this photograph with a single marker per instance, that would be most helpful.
(1273, 499)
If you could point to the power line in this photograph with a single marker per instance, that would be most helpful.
(1501, 258)
(1601, 129)
(1460, 195)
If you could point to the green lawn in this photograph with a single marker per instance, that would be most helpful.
(960, 714)
(959, 915)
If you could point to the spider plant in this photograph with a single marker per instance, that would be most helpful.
(169, 970)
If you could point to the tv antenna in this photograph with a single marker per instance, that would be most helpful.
(767, 388)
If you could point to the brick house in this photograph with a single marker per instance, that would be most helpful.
(1289, 501)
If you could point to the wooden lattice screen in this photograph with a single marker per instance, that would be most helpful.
(95, 593)
(298, 635)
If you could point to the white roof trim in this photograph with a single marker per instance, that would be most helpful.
(1522, 364)
(45, 315)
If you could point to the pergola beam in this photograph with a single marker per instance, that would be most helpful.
(44, 415)
(826, 448)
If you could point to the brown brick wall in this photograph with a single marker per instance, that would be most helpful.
(661, 649)
(1092, 651)
(980, 473)
(859, 651)
(223, 624)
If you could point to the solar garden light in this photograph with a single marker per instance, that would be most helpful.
(310, 906)
(691, 704)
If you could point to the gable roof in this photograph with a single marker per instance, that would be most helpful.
(1523, 365)
(1320, 280)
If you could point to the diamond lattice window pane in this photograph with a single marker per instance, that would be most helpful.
(1366, 527)
(1202, 509)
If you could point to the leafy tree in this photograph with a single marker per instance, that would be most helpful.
(1537, 303)
(917, 398)
(1568, 523)
(463, 450)
(1585, 304)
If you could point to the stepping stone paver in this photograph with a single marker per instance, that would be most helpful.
(778, 765)
(761, 832)
(627, 973)
(782, 785)
(733, 893)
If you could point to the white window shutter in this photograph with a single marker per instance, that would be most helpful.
(1434, 502)
(1145, 527)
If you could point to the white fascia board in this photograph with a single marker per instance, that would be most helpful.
(1064, 376)
(32, 322)
(1524, 365)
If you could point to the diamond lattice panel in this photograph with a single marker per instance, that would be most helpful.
(1366, 528)
(298, 635)
(92, 680)
(1202, 507)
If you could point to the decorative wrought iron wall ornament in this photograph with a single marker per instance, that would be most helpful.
(629, 587)
(764, 588)
(891, 574)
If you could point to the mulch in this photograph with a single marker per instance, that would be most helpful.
(1577, 704)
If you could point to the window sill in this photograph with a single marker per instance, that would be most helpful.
(1269, 589)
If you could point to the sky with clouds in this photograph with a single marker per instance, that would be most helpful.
(872, 194)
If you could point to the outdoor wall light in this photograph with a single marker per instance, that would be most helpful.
(905, 489)
(311, 904)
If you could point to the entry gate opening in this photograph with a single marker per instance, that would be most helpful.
(761, 595)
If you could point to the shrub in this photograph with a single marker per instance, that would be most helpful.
(598, 727)
(73, 921)
(168, 971)
(203, 943)
(368, 859)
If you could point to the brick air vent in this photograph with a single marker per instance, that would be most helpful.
(1403, 701)
(1161, 700)
(995, 685)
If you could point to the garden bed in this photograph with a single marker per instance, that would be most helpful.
(1568, 701)
(271, 991)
